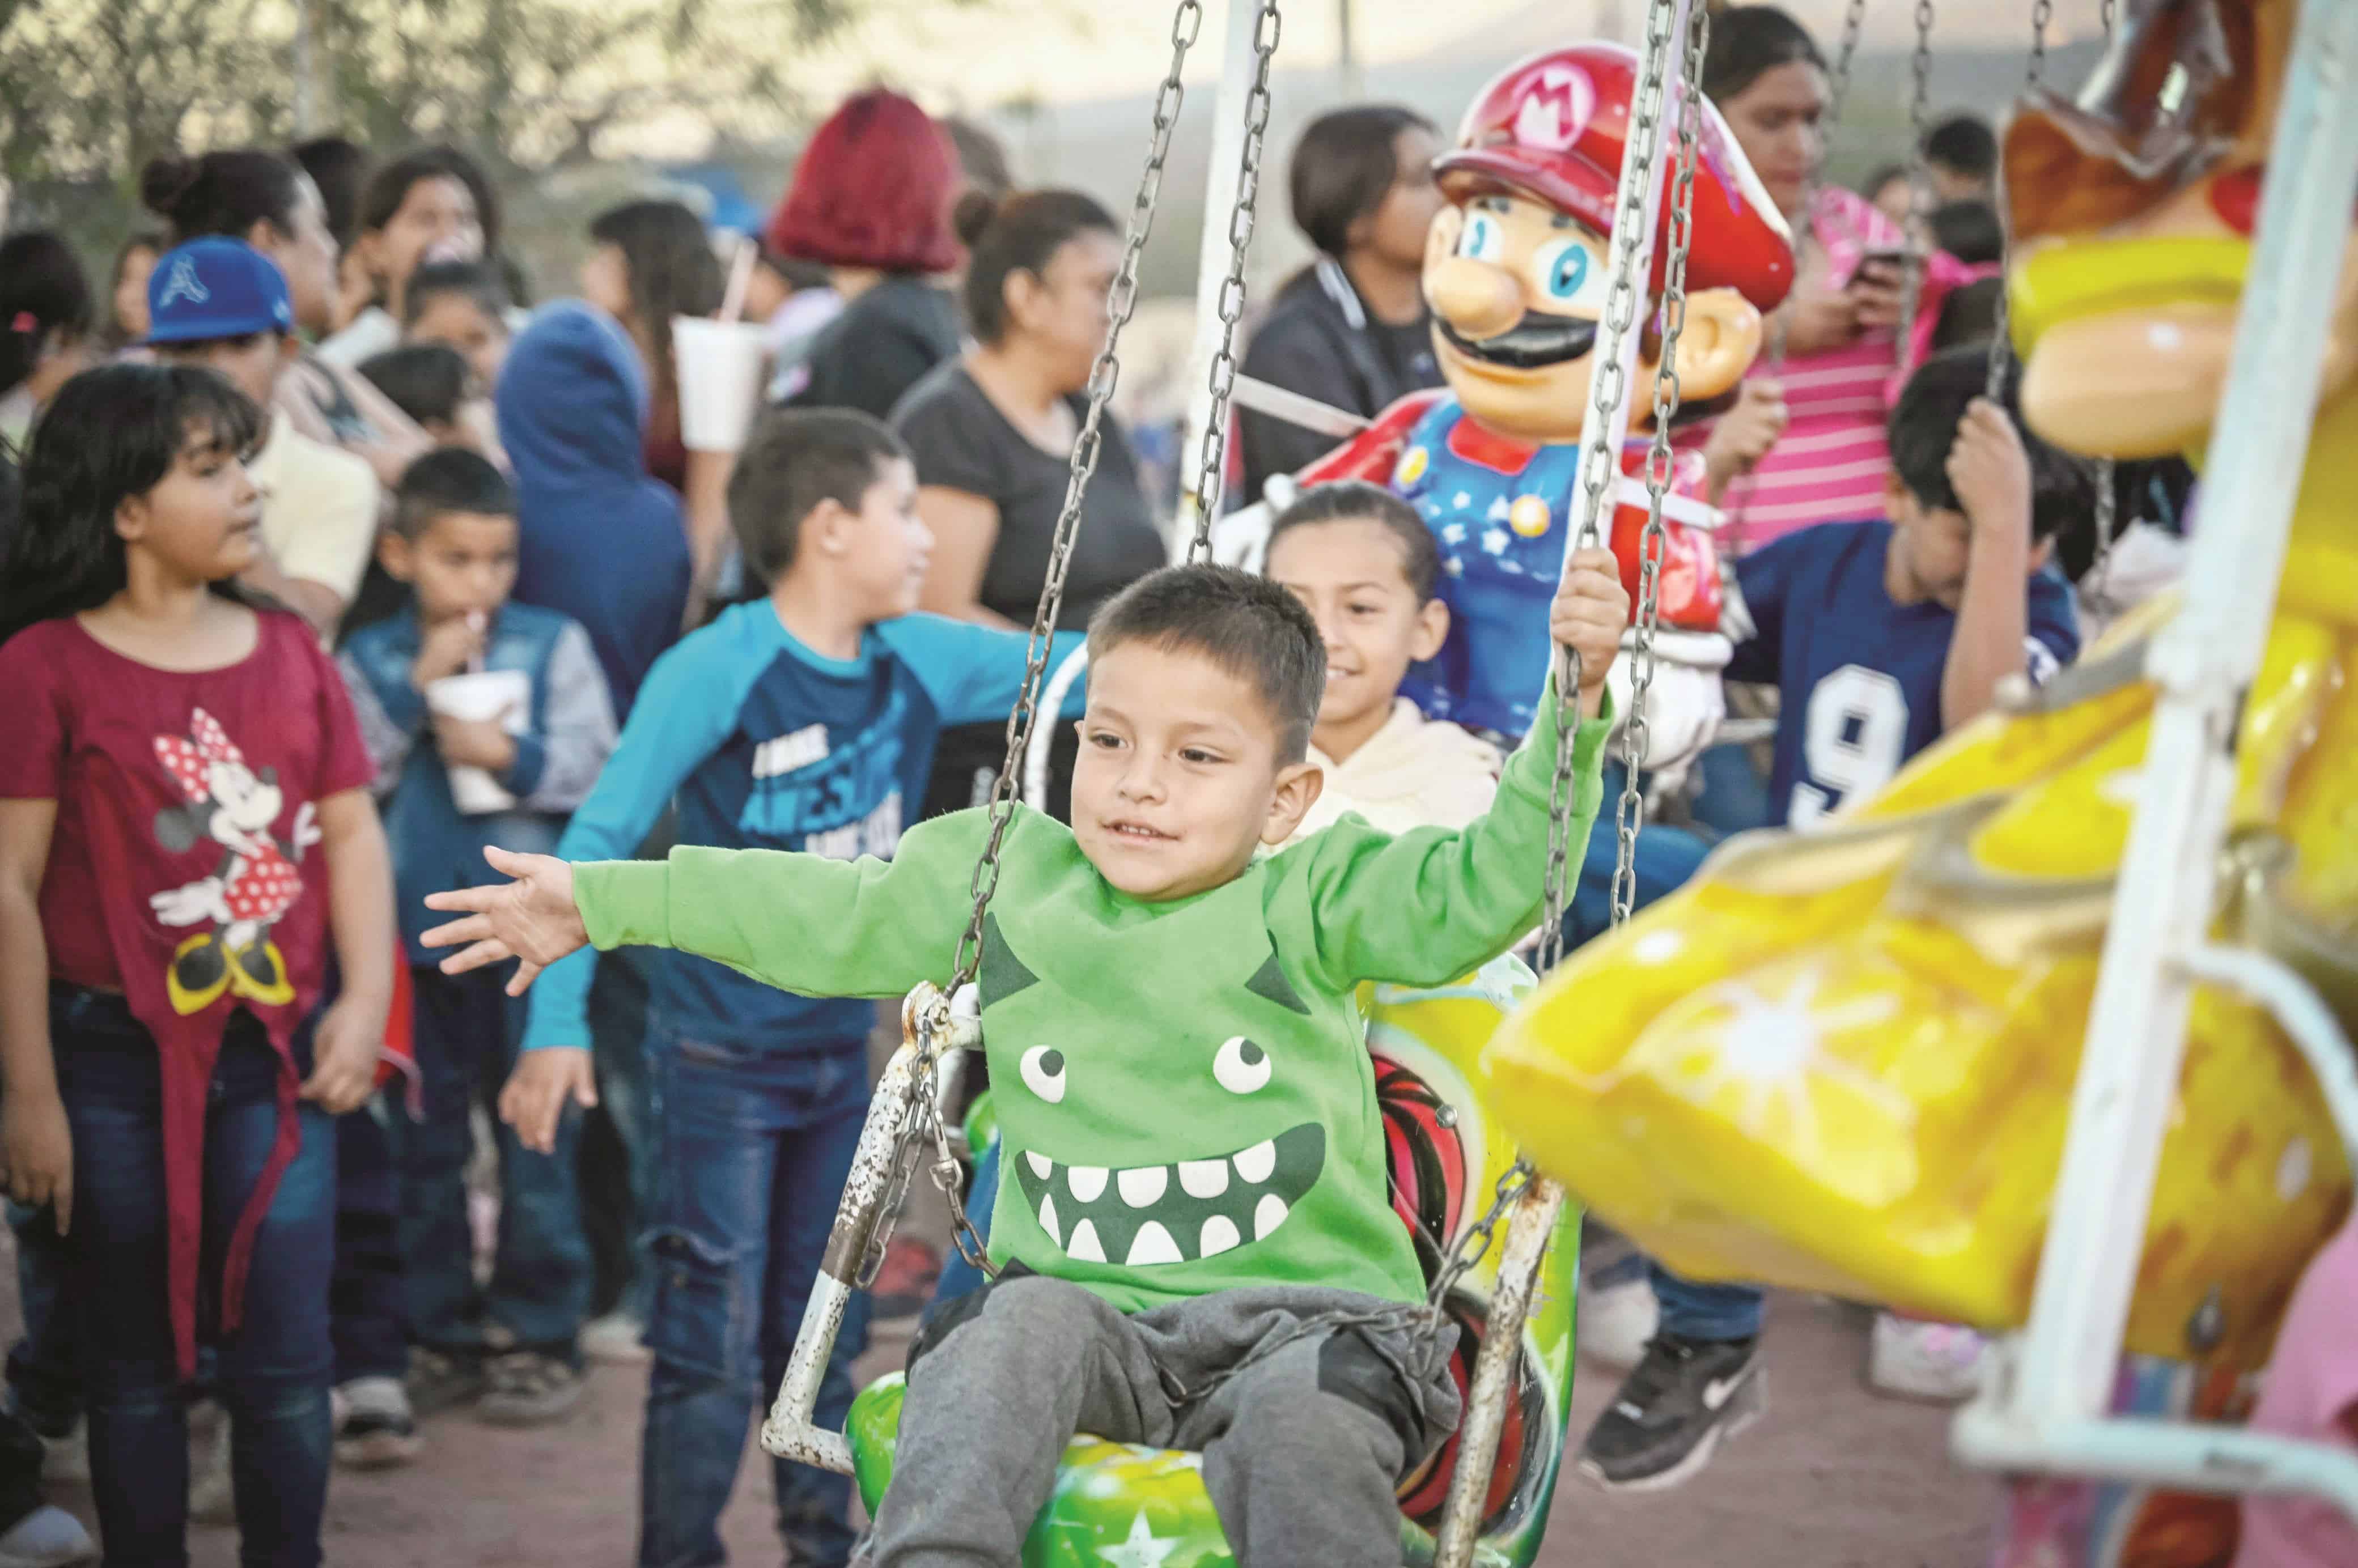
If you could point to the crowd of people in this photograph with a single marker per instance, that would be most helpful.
(391, 574)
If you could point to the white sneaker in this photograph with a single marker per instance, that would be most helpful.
(617, 1339)
(374, 1427)
(1920, 1360)
(65, 1461)
(46, 1538)
(212, 1499)
(1618, 1321)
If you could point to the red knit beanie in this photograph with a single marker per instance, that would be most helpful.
(873, 190)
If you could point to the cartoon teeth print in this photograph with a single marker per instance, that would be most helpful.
(1180, 1212)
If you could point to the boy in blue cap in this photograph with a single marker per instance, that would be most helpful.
(222, 304)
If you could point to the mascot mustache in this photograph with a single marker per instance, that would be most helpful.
(1536, 341)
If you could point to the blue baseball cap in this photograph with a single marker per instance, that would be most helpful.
(215, 287)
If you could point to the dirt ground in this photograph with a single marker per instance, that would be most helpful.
(1833, 1478)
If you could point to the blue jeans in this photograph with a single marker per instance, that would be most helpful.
(617, 1153)
(465, 1037)
(752, 1149)
(274, 1371)
(367, 1316)
(44, 1366)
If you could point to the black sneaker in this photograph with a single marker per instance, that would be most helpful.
(444, 1379)
(1683, 1398)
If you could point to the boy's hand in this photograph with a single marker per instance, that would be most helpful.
(1590, 612)
(479, 742)
(531, 919)
(344, 1056)
(536, 1091)
(447, 650)
(37, 1152)
(1745, 434)
(1990, 470)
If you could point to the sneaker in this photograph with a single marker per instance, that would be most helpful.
(1918, 1360)
(529, 1389)
(46, 1538)
(1618, 1315)
(65, 1459)
(443, 1380)
(374, 1428)
(905, 1281)
(618, 1339)
(212, 1498)
(1684, 1397)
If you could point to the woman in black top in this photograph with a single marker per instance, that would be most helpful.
(992, 434)
(1351, 330)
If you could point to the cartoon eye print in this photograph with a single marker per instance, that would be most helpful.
(1485, 238)
(1567, 274)
(1240, 1066)
(1044, 1073)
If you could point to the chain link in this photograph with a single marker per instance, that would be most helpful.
(1920, 112)
(1854, 25)
(1211, 477)
(924, 1120)
(2107, 497)
(2001, 351)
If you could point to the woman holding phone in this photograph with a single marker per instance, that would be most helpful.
(1809, 421)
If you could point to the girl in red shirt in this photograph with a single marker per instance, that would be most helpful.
(184, 822)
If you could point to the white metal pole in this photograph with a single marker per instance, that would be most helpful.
(2204, 660)
(1237, 64)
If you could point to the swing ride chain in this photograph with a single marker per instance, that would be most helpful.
(2107, 496)
(1630, 815)
(1920, 110)
(1212, 476)
(1854, 25)
(923, 1119)
(2042, 12)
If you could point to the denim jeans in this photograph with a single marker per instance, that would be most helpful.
(752, 1149)
(466, 1038)
(273, 1373)
(367, 1316)
(45, 1365)
(616, 1156)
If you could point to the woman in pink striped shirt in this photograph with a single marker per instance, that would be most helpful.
(1832, 347)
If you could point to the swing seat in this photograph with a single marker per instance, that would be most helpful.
(1121, 1503)
(1843, 1061)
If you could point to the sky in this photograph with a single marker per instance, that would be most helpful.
(975, 58)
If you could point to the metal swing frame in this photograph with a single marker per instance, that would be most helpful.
(921, 1080)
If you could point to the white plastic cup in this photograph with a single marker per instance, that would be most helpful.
(720, 365)
(504, 694)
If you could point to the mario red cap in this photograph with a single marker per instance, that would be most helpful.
(1552, 128)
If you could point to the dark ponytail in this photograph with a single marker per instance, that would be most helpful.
(43, 298)
(1021, 233)
(223, 193)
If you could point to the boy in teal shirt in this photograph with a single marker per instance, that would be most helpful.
(1187, 1104)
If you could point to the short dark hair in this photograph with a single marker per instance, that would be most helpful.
(483, 282)
(340, 168)
(1969, 230)
(1021, 234)
(796, 458)
(1923, 427)
(426, 381)
(1245, 625)
(1969, 315)
(1748, 42)
(1964, 143)
(1343, 167)
(1356, 501)
(446, 480)
(389, 188)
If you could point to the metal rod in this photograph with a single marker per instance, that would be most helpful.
(1308, 413)
(2203, 661)
(2181, 1456)
(1238, 65)
(2302, 1013)
(1529, 1230)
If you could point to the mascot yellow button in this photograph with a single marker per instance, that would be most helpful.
(1529, 516)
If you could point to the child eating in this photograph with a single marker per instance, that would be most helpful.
(1187, 1105)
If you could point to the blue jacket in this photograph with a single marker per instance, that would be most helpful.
(767, 745)
(568, 733)
(600, 540)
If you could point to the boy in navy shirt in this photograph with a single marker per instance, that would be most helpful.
(804, 719)
(1880, 636)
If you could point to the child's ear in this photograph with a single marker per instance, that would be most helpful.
(1896, 496)
(2042, 552)
(1717, 345)
(131, 518)
(1298, 789)
(823, 529)
(1432, 630)
(395, 555)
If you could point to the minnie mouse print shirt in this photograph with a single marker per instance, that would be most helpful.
(183, 868)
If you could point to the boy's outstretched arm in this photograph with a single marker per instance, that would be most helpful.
(1991, 474)
(1428, 906)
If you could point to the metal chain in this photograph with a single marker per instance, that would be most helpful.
(1854, 25)
(1629, 815)
(2107, 12)
(2107, 496)
(1121, 302)
(1920, 110)
(2001, 350)
(1211, 477)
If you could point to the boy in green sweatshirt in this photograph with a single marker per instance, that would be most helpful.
(1195, 1243)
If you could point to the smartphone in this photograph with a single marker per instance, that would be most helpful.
(1891, 265)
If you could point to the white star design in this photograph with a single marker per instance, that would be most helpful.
(1499, 510)
(1462, 501)
(1493, 541)
(1144, 1549)
(1453, 567)
(1772, 1052)
(1453, 534)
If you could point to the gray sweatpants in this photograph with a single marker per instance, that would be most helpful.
(1301, 1448)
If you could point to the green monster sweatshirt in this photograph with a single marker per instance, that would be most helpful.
(1183, 1089)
